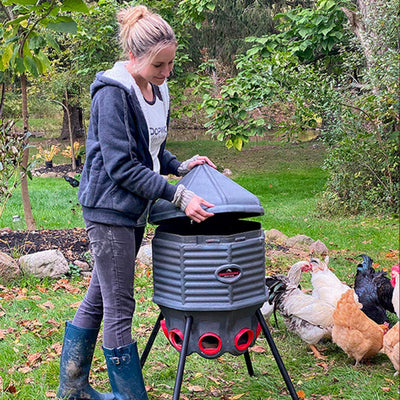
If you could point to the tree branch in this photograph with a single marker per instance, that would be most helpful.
(7, 11)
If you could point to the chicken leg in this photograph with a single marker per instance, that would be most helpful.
(317, 353)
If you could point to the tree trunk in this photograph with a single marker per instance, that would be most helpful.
(26, 202)
(76, 121)
(71, 134)
(364, 25)
(3, 92)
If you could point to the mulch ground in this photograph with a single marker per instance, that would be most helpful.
(58, 170)
(73, 243)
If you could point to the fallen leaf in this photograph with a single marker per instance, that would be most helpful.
(41, 289)
(324, 365)
(215, 380)
(10, 388)
(53, 322)
(24, 370)
(4, 332)
(48, 305)
(392, 254)
(57, 347)
(237, 396)
(301, 394)
(390, 381)
(50, 394)
(385, 389)
(21, 293)
(195, 388)
(65, 285)
(35, 358)
(258, 349)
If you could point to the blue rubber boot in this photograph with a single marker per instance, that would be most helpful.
(125, 373)
(76, 359)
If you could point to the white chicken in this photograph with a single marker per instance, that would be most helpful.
(307, 316)
(294, 275)
(326, 285)
(395, 281)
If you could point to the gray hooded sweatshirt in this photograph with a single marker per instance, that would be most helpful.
(118, 181)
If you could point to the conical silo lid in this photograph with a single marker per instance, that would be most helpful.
(229, 198)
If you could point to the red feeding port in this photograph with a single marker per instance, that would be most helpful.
(243, 339)
(164, 328)
(210, 343)
(175, 336)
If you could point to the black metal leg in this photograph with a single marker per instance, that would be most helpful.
(182, 357)
(151, 340)
(249, 365)
(276, 355)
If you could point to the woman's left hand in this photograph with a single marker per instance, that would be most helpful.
(201, 160)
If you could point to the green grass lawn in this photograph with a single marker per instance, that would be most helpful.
(288, 179)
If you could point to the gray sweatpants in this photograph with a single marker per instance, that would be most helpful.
(110, 293)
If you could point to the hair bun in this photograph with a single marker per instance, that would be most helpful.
(142, 32)
(129, 16)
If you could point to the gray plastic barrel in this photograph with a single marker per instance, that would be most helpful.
(215, 273)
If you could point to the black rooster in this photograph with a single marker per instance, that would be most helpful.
(384, 290)
(367, 291)
(72, 181)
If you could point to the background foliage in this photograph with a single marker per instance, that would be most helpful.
(247, 68)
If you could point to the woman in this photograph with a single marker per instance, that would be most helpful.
(126, 156)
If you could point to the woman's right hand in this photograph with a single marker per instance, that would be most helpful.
(195, 211)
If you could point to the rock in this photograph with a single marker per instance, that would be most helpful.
(9, 268)
(145, 255)
(318, 248)
(49, 263)
(37, 134)
(82, 265)
(50, 174)
(273, 235)
(301, 242)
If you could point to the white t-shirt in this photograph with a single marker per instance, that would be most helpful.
(156, 118)
(155, 113)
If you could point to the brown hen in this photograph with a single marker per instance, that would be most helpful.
(391, 346)
(356, 334)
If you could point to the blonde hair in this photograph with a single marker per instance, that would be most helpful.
(144, 33)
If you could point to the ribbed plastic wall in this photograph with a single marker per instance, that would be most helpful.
(201, 268)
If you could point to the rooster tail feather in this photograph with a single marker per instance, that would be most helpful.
(276, 291)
